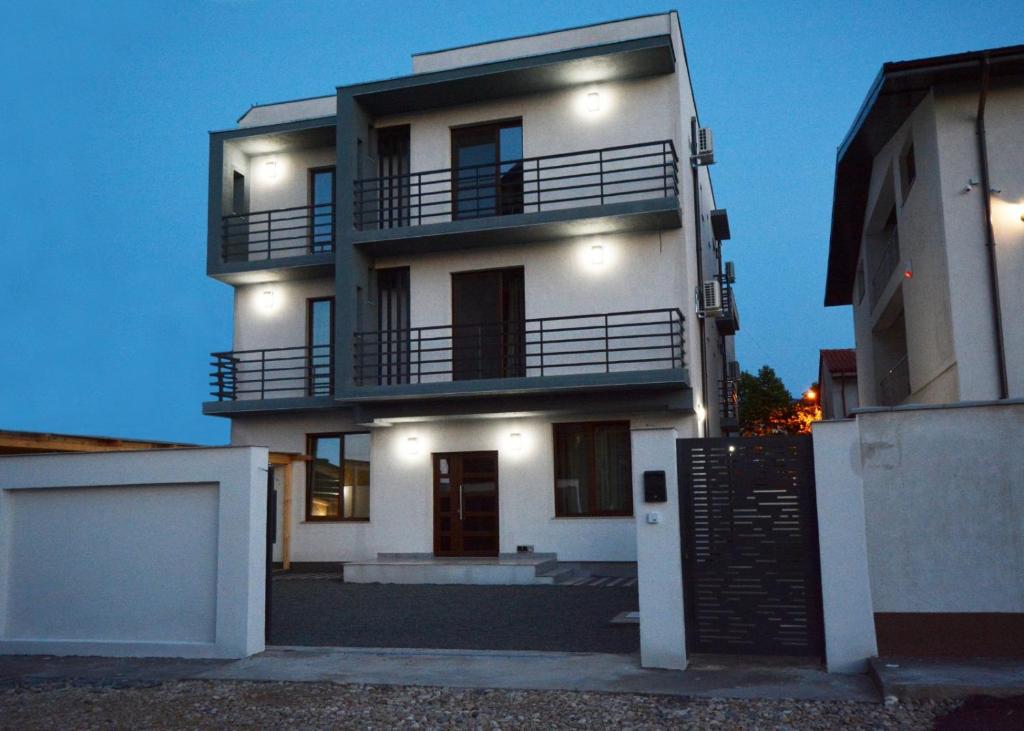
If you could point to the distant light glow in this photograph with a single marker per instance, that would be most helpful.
(810, 394)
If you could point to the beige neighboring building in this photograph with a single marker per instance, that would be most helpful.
(927, 238)
(837, 383)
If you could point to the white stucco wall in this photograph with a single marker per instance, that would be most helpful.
(143, 553)
(281, 325)
(845, 582)
(290, 111)
(401, 487)
(944, 505)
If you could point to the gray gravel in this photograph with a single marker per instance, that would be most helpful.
(205, 704)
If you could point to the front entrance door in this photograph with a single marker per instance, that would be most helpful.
(466, 504)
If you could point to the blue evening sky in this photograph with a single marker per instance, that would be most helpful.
(106, 315)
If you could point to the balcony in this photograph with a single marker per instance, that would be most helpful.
(894, 386)
(244, 380)
(888, 258)
(729, 403)
(728, 319)
(542, 358)
(625, 188)
(305, 232)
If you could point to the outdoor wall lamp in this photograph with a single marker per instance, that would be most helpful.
(597, 255)
(270, 170)
(412, 445)
(267, 300)
(515, 441)
(593, 102)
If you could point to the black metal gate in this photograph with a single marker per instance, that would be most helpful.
(750, 546)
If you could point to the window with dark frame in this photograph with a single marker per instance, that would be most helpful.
(593, 469)
(319, 341)
(338, 477)
(321, 209)
(908, 169)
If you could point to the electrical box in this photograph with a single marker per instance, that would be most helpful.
(654, 487)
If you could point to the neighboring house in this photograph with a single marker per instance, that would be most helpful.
(837, 383)
(33, 442)
(459, 292)
(927, 238)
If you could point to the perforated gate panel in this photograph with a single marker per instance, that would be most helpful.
(750, 546)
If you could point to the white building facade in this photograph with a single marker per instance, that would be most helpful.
(458, 293)
(928, 231)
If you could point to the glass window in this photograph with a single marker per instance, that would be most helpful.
(593, 469)
(338, 477)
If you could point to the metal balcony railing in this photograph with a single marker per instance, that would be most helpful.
(642, 171)
(894, 386)
(278, 233)
(272, 373)
(888, 258)
(729, 395)
(578, 344)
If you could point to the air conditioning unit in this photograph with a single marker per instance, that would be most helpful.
(705, 147)
(730, 272)
(711, 297)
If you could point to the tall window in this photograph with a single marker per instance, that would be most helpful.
(338, 477)
(319, 337)
(593, 469)
(321, 210)
(488, 177)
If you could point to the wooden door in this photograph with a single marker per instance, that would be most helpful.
(466, 504)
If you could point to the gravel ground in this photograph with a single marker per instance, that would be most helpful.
(203, 704)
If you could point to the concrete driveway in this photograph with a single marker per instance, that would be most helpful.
(327, 612)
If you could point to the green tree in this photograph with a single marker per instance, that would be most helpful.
(766, 406)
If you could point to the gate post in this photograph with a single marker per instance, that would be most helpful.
(658, 552)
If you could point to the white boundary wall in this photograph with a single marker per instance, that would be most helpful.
(143, 553)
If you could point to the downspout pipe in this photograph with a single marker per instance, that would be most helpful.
(695, 172)
(990, 238)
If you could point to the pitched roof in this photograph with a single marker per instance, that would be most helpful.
(840, 361)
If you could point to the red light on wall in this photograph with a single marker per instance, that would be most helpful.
(908, 274)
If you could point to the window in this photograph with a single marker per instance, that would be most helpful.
(593, 469)
(321, 210)
(319, 338)
(338, 477)
(908, 169)
(488, 164)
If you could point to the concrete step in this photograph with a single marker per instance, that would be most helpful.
(511, 569)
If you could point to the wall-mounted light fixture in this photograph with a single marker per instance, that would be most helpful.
(593, 102)
(412, 445)
(515, 441)
(267, 300)
(597, 255)
(908, 270)
(270, 171)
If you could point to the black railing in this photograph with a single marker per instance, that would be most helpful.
(894, 386)
(592, 177)
(272, 373)
(578, 344)
(278, 233)
(729, 395)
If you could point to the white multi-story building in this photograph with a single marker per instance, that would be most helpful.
(458, 292)
(928, 230)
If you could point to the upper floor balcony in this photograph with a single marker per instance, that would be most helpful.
(623, 188)
(255, 380)
(617, 354)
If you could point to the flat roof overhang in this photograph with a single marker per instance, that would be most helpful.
(282, 137)
(648, 215)
(896, 92)
(269, 406)
(658, 390)
(630, 59)
(284, 269)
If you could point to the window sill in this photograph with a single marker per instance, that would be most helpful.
(334, 521)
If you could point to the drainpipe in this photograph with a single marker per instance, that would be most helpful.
(990, 242)
(695, 173)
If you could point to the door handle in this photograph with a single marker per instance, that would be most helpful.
(460, 502)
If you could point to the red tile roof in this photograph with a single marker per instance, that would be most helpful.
(840, 361)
